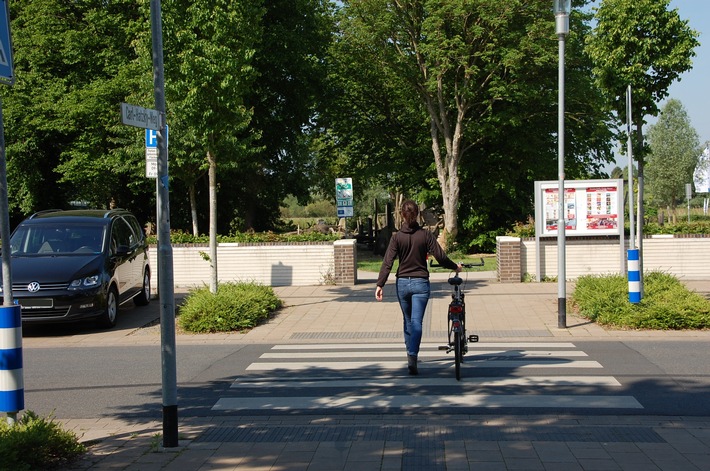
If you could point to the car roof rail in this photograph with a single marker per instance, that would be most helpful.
(44, 211)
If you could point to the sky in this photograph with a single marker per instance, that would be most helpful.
(692, 89)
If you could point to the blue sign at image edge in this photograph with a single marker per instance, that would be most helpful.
(6, 70)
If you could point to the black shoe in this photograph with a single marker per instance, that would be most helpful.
(412, 364)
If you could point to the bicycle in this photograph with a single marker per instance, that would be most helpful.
(458, 341)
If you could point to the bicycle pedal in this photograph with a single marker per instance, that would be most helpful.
(443, 347)
(473, 338)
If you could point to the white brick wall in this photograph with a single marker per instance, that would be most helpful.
(687, 258)
(271, 265)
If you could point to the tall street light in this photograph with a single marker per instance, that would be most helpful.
(562, 9)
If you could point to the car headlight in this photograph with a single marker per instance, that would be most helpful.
(86, 282)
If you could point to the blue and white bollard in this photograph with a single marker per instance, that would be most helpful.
(12, 389)
(634, 276)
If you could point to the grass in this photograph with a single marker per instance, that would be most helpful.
(666, 305)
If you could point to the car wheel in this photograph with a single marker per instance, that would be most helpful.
(108, 318)
(143, 297)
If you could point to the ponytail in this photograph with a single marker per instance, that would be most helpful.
(409, 212)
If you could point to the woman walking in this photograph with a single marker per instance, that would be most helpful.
(411, 245)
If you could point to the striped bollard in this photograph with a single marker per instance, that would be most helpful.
(634, 276)
(12, 389)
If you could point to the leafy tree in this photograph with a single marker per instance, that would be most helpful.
(75, 64)
(209, 51)
(643, 44)
(289, 64)
(473, 83)
(674, 152)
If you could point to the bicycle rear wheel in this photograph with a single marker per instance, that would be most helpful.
(458, 354)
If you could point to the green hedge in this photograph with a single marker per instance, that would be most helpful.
(235, 307)
(666, 305)
(34, 443)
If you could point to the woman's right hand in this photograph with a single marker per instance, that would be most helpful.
(378, 293)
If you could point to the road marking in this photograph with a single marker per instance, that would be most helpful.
(387, 382)
(428, 354)
(391, 365)
(400, 346)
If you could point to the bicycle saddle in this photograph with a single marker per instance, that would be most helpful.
(455, 280)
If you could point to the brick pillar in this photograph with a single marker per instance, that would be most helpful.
(508, 257)
(345, 262)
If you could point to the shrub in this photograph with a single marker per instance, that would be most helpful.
(33, 443)
(666, 304)
(235, 307)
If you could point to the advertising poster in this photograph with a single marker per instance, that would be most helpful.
(552, 209)
(602, 208)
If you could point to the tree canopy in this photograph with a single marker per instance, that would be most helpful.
(454, 102)
(674, 153)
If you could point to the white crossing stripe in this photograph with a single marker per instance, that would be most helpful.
(358, 377)
(362, 402)
(400, 346)
(392, 365)
(388, 382)
(429, 354)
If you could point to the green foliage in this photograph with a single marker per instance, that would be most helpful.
(666, 305)
(522, 230)
(33, 443)
(642, 44)
(181, 237)
(699, 227)
(235, 307)
(674, 154)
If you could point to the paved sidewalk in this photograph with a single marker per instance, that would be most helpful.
(402, 441)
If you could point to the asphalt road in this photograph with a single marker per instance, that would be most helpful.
(666, 378)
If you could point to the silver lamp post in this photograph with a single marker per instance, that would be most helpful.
(562, 9)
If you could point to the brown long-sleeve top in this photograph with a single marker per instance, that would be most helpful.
(411, 245)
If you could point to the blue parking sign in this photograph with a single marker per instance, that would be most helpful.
(151, 138)
(6, 68)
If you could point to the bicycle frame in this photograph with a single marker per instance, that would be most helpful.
(457, 338)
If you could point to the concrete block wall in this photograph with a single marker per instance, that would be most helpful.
(271, 264)
(687, 257)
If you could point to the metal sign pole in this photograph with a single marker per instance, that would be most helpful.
(165, 252)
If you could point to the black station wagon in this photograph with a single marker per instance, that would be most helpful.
(78, 264)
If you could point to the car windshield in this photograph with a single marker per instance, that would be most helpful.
(57, 238)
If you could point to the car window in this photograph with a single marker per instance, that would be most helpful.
(121, 235)
(133, 222)
(56, 238)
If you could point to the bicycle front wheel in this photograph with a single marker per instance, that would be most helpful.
(458, 353)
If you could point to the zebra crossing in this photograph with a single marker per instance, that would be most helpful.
(359, 377)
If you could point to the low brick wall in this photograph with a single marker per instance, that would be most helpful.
(271, 264)
(683, 256)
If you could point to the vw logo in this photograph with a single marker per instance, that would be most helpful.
(33, 287)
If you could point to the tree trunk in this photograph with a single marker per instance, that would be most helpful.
(212, 172)
(193, 209)
(447, 169)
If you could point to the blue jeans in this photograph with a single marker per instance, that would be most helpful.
(413, 296)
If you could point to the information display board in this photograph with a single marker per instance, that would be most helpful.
(592, 207)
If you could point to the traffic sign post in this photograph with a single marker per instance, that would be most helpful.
(140, 117)
(7, 75)
(151, 151)
(344, 197)
(11, 380)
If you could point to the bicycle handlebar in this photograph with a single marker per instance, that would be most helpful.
(470, 265)
(464, 265)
